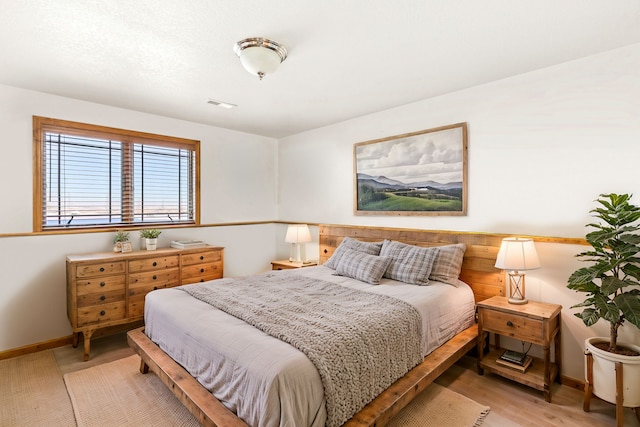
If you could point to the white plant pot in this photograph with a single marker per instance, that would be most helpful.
(151, 244)
(604, 373)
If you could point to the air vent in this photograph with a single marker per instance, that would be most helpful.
(221, 104)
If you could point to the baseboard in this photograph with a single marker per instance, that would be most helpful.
(572, 382)
(59, 342)
(34, 348)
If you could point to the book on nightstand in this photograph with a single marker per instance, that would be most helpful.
(519, 361)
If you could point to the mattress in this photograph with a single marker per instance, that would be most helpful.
(265, 381)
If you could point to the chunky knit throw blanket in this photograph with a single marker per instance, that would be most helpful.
(359, 342)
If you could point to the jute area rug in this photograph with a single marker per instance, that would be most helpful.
(117, 393)
(32, 392)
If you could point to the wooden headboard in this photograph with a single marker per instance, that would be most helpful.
(477, 268)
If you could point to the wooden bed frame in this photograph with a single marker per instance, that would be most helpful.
(477, 270)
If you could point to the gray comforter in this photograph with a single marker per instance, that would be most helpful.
(360, 342)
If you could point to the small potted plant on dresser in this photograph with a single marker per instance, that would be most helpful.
(118, 239)
(612, 285)
(150, 236)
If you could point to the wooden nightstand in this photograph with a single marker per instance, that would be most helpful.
(285, 264)
(536, 322)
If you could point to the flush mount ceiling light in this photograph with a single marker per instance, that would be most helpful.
(260, 56)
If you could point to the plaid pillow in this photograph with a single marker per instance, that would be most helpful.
(448, 263)
(372, 248)
(409, 264)
(361, 266)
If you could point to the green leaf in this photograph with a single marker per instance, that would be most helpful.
(630, 306)
(632, 270)
(611, 284)
(589, 316)
(586, 303)
(582, 280)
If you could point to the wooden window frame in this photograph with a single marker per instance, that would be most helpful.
(41, 125)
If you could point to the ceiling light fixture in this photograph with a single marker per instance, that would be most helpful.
(260, 56)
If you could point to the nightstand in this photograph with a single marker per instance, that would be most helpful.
(535, 322)
(289, 265)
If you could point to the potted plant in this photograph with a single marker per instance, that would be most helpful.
(121, 236)
(612, 285)
(150, 236)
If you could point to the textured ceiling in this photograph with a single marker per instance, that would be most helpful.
(347, 58)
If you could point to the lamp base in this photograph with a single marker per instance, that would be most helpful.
(516, 288)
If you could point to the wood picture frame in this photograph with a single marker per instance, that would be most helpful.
(418, 173)
(127, 247)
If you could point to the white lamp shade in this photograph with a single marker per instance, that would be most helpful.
(298, 233)
(517, 254)
(259, 60)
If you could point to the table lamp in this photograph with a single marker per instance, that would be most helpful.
(296, 234)
(517, 254)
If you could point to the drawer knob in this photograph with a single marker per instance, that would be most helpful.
(101, 269)
(155, 277)
(102, 284)
(155, 263)
(201, 257)
(201, 280)
(509, 323)
(102, 298)
(202, 270)
(326, 251)
(102, 313)
(155, 288)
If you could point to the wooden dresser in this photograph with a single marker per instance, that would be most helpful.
(107, 289)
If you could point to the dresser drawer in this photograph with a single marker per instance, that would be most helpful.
(201, 257)
(212, 270)
(508, 324)
(101, 313)
(199, 279)
(150, 279)
(100, 284)
(153, 264)
(98, 298)
(137, 296)
(99, 269)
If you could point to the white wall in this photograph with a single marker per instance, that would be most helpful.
(238, 184)
(542, 147)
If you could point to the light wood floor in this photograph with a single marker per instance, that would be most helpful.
(511, 404)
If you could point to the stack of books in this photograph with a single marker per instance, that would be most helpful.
(515, 360)
(187, 244)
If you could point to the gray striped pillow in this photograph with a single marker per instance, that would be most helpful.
(448, 263)
(361, 266)
(409, 263)
(372, 248)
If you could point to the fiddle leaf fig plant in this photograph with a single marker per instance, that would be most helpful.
(612, 281)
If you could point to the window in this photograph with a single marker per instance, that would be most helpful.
(88, 176)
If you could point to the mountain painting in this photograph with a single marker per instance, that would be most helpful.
(420, 173)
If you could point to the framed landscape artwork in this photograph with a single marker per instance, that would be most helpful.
(419, 173)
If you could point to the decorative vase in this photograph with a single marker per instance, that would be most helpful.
(151, 244)
(604, 373)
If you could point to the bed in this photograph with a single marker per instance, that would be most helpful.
(269, 382)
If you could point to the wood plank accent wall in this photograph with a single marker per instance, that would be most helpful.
(478, 266)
